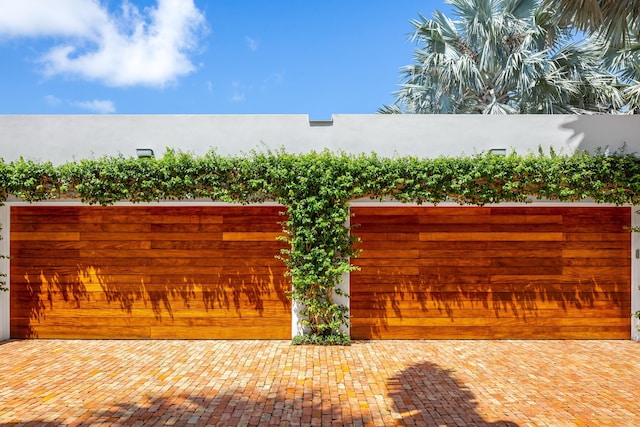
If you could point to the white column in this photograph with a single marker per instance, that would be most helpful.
(345, 286)
(345, 301)
(297, 329)
(4, 268)
(296, 308)
(635, 273)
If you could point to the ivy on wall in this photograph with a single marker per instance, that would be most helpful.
(316, 188)
(3, 275)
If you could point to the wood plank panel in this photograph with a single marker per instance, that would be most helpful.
(494, 272)
(454, 285)
(493, 332)
(490, 236)
(234, 295)
(502, 312)
(101, 319)
(132, 331)
(250, 236)
(435, 322)
(47, 236)
(148, 272)
(95, 310)
(392, 307)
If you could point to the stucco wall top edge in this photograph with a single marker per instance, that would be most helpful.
(60, 138)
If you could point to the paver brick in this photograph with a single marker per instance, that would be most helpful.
(271, 383)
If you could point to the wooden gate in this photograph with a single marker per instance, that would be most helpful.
(148, 272)
(492, 272)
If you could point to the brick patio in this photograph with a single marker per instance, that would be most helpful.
(378, 383)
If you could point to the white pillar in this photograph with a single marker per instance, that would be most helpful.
(296, 327)
(296, 308)
(345, 286)
(635, 273)
(4, 269)
(345, 301)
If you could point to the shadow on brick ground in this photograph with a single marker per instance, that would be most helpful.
(421, 395)
(426, 394)
(243, 407)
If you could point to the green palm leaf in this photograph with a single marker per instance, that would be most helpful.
(508, 57)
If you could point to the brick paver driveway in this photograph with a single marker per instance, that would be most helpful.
(450, 383)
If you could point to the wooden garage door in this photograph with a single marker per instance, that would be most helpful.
(147, 272)
(503, 272)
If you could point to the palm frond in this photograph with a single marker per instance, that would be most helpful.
(616, 20)
(512, 56)
(631, 97)
(390, 109)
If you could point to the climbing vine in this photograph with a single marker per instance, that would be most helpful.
(316, 189)
(3, 275)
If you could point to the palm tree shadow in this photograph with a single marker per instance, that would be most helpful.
(588, 133)
(426, 394)
(230, 407)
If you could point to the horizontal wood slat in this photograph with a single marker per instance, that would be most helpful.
(454, 284)
(392, 307)
(104, 319)
(435, 322)
(500, 311)
(250, 236)
(491, 272)
(148, 272)
(492, 332)
(490, 236)
(180, 309)
(134, 331)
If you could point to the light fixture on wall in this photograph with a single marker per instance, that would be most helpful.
(498, 151)
(144, 153)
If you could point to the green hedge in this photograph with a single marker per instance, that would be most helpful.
(316, 188)
(258, 176)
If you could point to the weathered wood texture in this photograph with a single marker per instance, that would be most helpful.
(492, 272)
(148, 272)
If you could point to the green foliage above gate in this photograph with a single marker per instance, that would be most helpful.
(316, 188)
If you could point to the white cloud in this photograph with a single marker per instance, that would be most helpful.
(253, 44)
(275, 79)
(52, 101)
(132, 47)
(100, 106)
(239, 90)
(35, 18)
(237, 97)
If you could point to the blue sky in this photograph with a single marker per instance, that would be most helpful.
(204, 57)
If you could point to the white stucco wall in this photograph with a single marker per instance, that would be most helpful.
(65, 137)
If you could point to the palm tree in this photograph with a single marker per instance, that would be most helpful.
(625, 63)
(615, 24)
(503, 57)
(617, 20)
